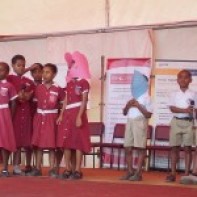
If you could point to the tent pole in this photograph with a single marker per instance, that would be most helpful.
(107, 13)
(152, 73)
(102, 78)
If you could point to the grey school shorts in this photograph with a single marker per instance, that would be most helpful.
(136, 132)
(181, 132)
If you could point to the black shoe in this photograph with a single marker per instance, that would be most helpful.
(76, 175)
(136, 177)
(66, 175)
(171, 178)
(27, 169)
(53, 173)
(127, 176)
(4, 173)
(34, 172)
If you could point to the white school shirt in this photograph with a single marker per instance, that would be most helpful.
(182, 100)
(143, 100)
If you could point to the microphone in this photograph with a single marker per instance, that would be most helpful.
(193, 115)
(192, 103)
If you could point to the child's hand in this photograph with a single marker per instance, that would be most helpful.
(30, 68)
(33, 66)
(130, 103)
(128, 106)
(21, 96)
(59, 120)
(28, 95)
(78, 121)
(189, 110)
(135, 104)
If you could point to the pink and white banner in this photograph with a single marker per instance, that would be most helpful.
(117, 92)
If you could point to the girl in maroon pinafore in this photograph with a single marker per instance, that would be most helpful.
(7, 97)
(73, 133)
(48, 96)
(22, 119)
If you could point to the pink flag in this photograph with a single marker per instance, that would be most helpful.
(68, 58)
(77, 66)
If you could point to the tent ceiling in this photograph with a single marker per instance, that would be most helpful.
(149, 12)
(48, 16)
(41, 17)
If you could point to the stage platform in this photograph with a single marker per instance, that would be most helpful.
(96, 183)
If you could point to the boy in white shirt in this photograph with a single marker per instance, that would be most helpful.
(181, 133)
(138, 110)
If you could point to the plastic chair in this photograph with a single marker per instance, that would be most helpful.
(161, 135)
(148, 144)
(119, 131)
(96, 130)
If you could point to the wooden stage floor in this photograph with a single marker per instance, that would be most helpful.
(96, 183)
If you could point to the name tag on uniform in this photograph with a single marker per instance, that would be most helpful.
(78, 90)
(53, 96)
(4, 91)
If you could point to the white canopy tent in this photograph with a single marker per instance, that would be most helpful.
(43, 30)
(21, 17)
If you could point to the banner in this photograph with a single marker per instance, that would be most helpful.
(117, 92)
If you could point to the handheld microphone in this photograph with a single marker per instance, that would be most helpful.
(192, 103)
(193, 116)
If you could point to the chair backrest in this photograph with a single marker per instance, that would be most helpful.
(96, 129)
(119, 130)
(162, 132)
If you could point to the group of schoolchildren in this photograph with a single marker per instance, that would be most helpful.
(38, 115)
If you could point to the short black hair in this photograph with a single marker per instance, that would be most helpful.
(6, 66)
(39, 65)
(187, 71)
(53, 67)
(17, 57)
